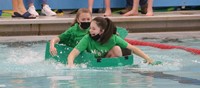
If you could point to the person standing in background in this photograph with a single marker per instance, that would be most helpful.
(134, 11)
(46, 10)
(129, 5)
(107, 4)
(19, 10)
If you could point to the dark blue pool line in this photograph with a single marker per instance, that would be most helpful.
(161, 75)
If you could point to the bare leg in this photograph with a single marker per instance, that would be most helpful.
(108, 10)
(115, 52)
(134, 11)
(150, 8)
(21, 7)
(90, 5)
(15, 5)
(18, 7)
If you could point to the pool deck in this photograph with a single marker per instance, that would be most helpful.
(137, 36)
(160, 22)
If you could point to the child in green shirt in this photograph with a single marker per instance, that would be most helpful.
(75, 33)
(102, 41)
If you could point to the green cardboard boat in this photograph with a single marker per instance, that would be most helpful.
(88, 58)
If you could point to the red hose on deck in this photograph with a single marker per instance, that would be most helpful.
(162, 46)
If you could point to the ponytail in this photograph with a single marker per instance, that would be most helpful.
(109, 31)
(108, 26)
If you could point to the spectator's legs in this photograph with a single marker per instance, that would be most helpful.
(30, 3)
(15, 5)
(135, 7)
(19, 9)
(150, 8)
(90, 5)
(108, 9)
(129, 5)
(143, 5)
(46, 10)
(44, 2)
(143, 2)
(31, 8)
(134, 11)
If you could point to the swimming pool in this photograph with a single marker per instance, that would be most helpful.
(22, 65)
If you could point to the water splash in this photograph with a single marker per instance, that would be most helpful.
(196, 61)
(2, 85)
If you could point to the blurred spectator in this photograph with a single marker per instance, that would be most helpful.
(134, 10)
(46, 10)
(19, 10)
(129, 5)
(107, 4)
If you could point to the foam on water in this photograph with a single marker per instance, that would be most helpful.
(26, 60)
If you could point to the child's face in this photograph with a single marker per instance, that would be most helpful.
(84, 17)
(94, 29)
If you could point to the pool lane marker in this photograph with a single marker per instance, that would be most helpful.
(163, 46)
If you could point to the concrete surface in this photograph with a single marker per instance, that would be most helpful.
(160, 22)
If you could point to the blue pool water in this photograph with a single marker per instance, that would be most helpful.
(22, 65)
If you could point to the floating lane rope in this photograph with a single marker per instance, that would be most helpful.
(162, 46)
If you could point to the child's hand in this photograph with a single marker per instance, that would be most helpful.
(53, 51)
(149, 61)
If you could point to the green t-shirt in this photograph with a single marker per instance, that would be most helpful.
(98, 49)
(72, 36)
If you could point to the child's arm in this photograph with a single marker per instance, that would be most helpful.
(73, 54)
(140, 53)
(53, 50)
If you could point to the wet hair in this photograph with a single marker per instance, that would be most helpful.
(81, 10)
(108, 26)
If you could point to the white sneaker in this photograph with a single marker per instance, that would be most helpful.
(32, 10)
(46, 10)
